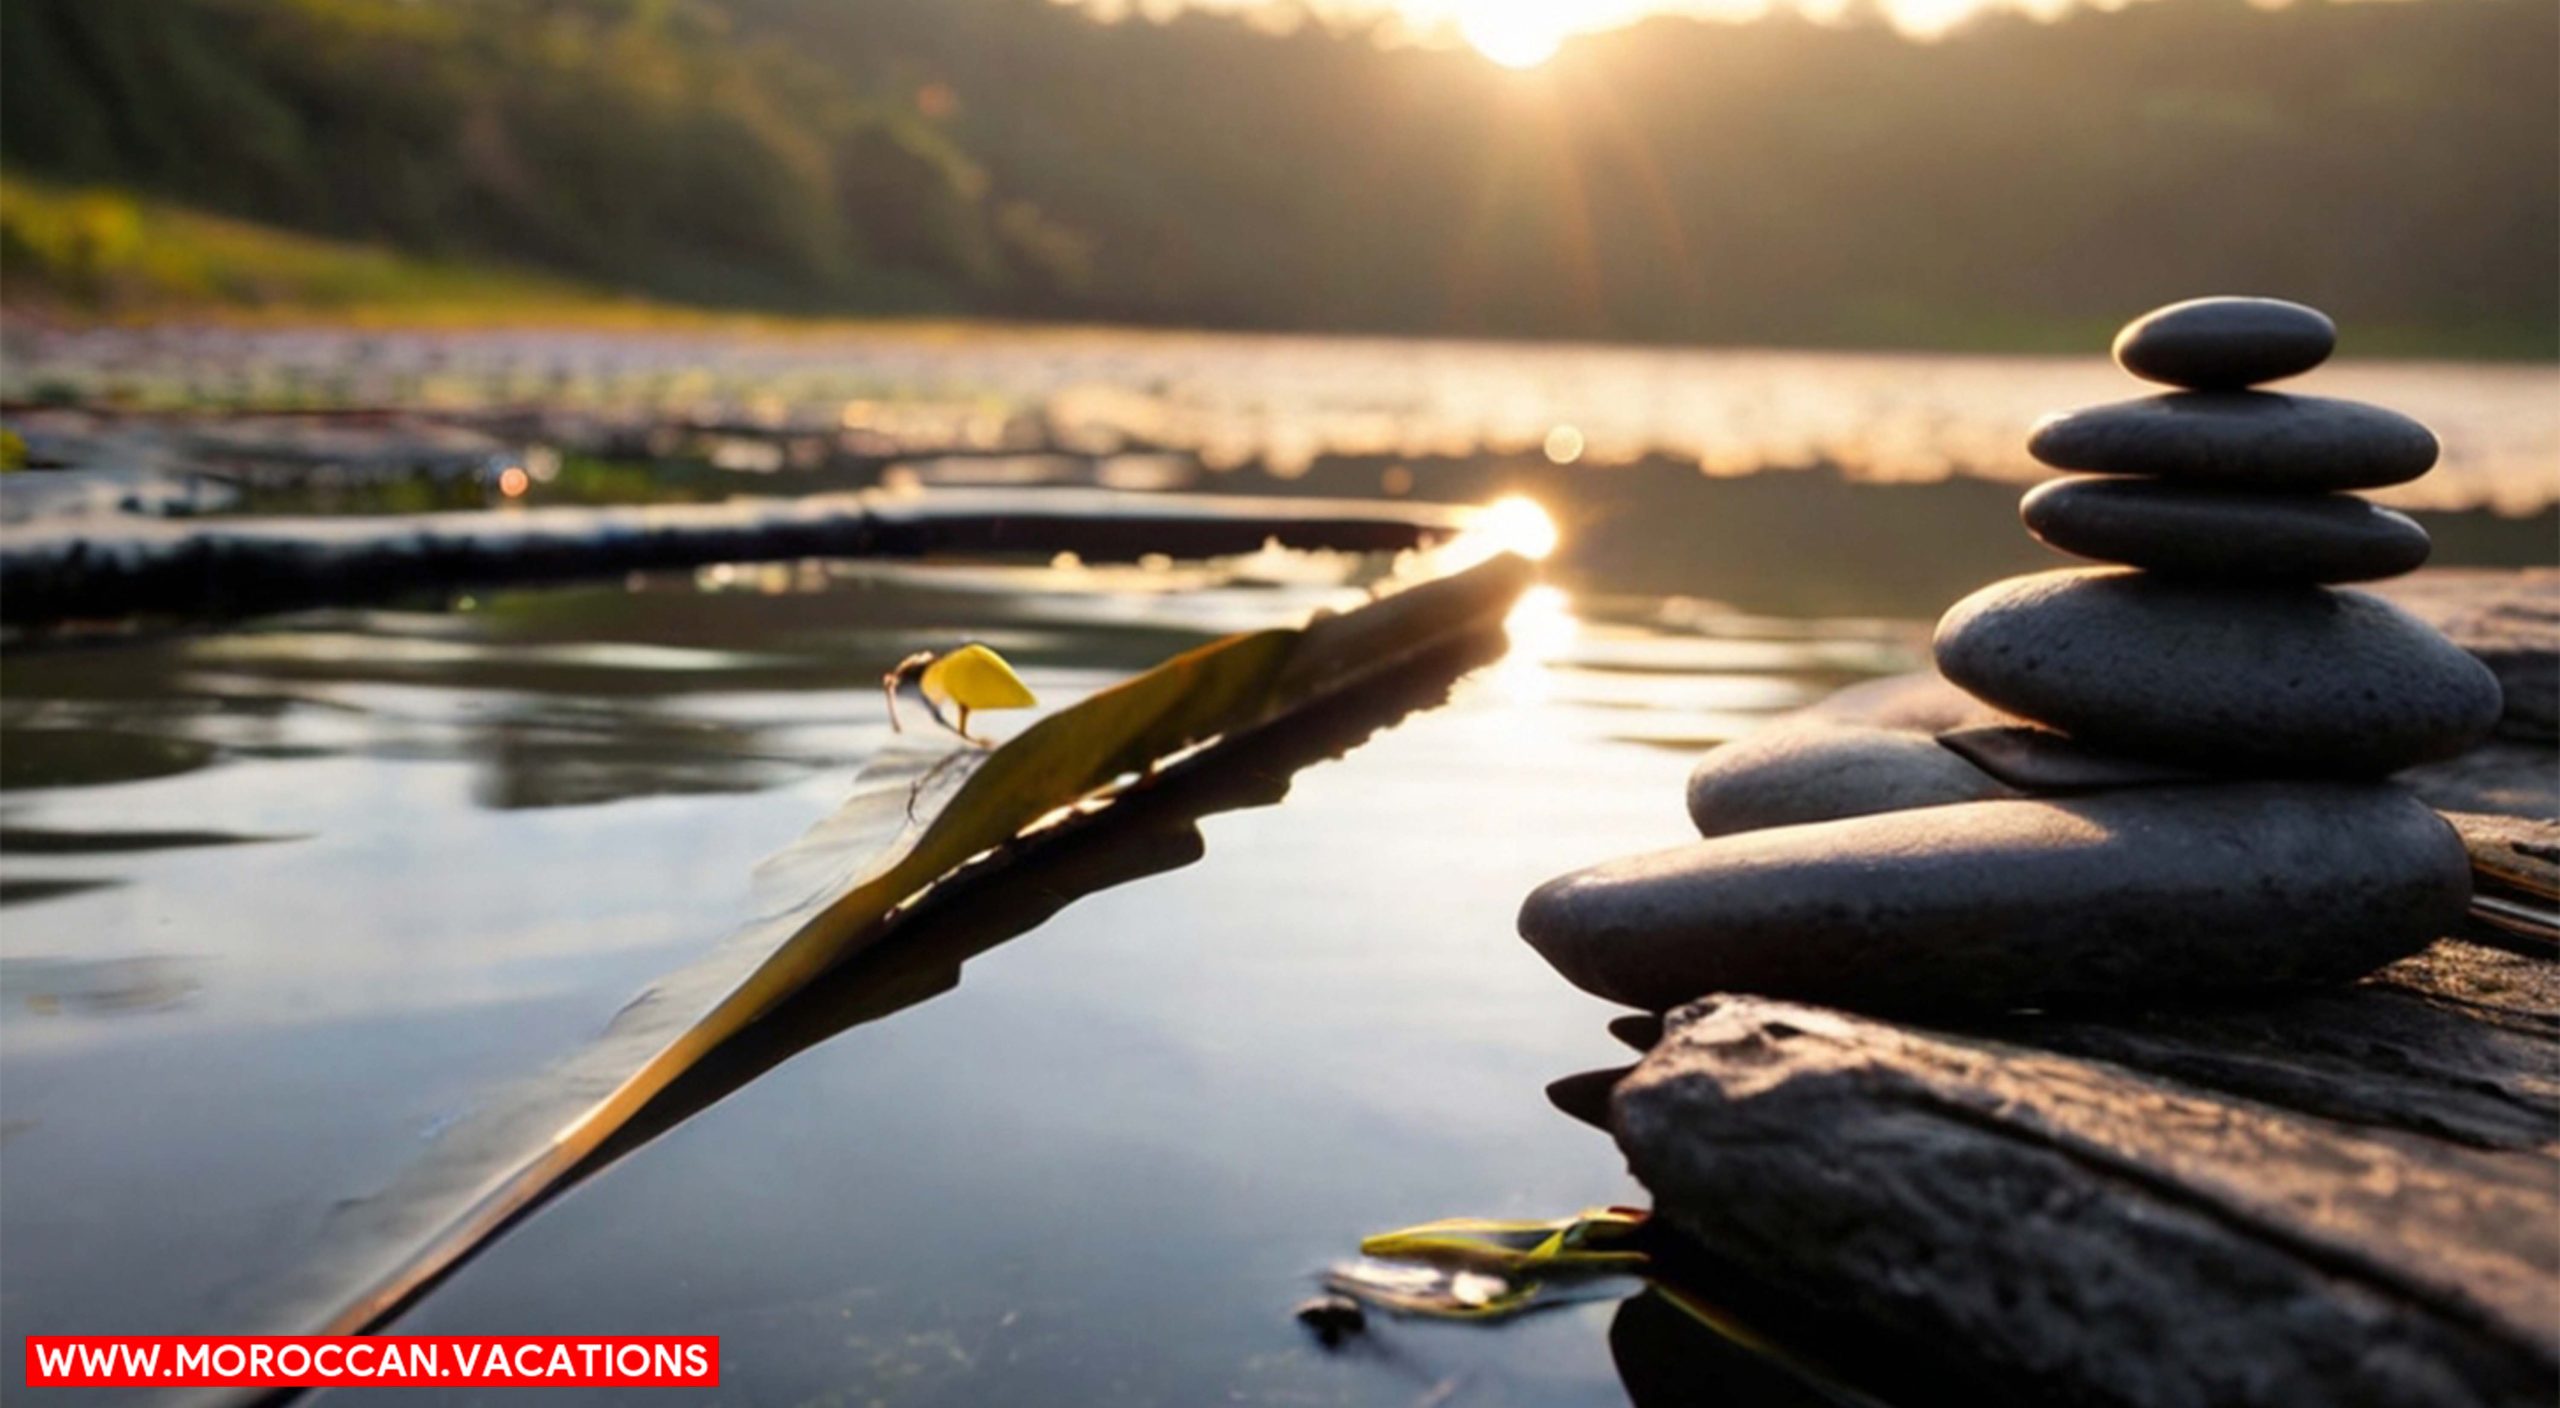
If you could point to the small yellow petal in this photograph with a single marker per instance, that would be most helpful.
(974, 677)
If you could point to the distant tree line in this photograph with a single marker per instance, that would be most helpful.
(654, 145)
(2016, 184)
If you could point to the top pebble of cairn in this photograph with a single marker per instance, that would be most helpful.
(2224, 344)
(2215, 433)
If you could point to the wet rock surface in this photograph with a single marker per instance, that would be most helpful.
(1804, 772)
(2225, 343)
(2241, 440)
(2510, 622)
(1991, 906)
(2225, 535)
(2341, 1197)
(2277, 679)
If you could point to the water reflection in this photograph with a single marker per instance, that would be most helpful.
(56, 841)
(670, 685)
(149, 982)
(26, 890)
(1335, 990)
(74, 756)
(567, 752)
(1148, 831)
(1542, 630)
(1275, 406)
(487, 833)
(1667, 1358)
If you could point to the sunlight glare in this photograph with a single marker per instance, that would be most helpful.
(1541, 625)
(1513, 33)
(1518, 524)
(1541, 628)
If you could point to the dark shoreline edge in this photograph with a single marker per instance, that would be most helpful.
(59, 571)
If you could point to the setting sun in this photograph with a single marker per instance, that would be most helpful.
(1512, 33)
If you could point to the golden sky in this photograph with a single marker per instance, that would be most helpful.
(1524, 33)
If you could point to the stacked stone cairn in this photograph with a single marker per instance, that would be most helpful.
(2178, 788)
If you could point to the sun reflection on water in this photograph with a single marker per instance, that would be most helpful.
(1542, 630)
(1513, 524)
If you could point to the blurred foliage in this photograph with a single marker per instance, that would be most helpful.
(581, 479)
(647, 144)
(2018, 184)
(108, 251)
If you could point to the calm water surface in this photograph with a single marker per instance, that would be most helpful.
(285, 901)
(282, 902)
(1285, 403)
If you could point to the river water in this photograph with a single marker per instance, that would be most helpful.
(1285, 403)
(282, 900)
(286, 900)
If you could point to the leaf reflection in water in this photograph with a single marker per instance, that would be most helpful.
(865, 877)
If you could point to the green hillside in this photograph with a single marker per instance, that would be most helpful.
(2014, 185)
(108, 252)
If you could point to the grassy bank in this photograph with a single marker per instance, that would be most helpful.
(99, 254)
(104, 254)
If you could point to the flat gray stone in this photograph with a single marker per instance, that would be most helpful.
(1921, 701)
(2224, 534)
(2507, 776)
(2314, 680)
(1798, 772)
(2511, 621)
(2508, 619)
(2225, 343)
(2521, 778)
(1994, 906)
(2241, 440)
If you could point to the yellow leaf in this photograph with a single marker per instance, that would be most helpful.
(974, 677)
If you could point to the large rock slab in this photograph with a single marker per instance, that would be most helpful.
(2510, 621)
(2225, 535)
(2270, 679)
(2344, 1198)
(2241, 440)
(2502, 776)
(1994, 906)
(2225, 343)
(1921, 699)
(1798, 772)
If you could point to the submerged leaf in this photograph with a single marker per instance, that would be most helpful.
(1593, 1239)
(1450, 1293)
